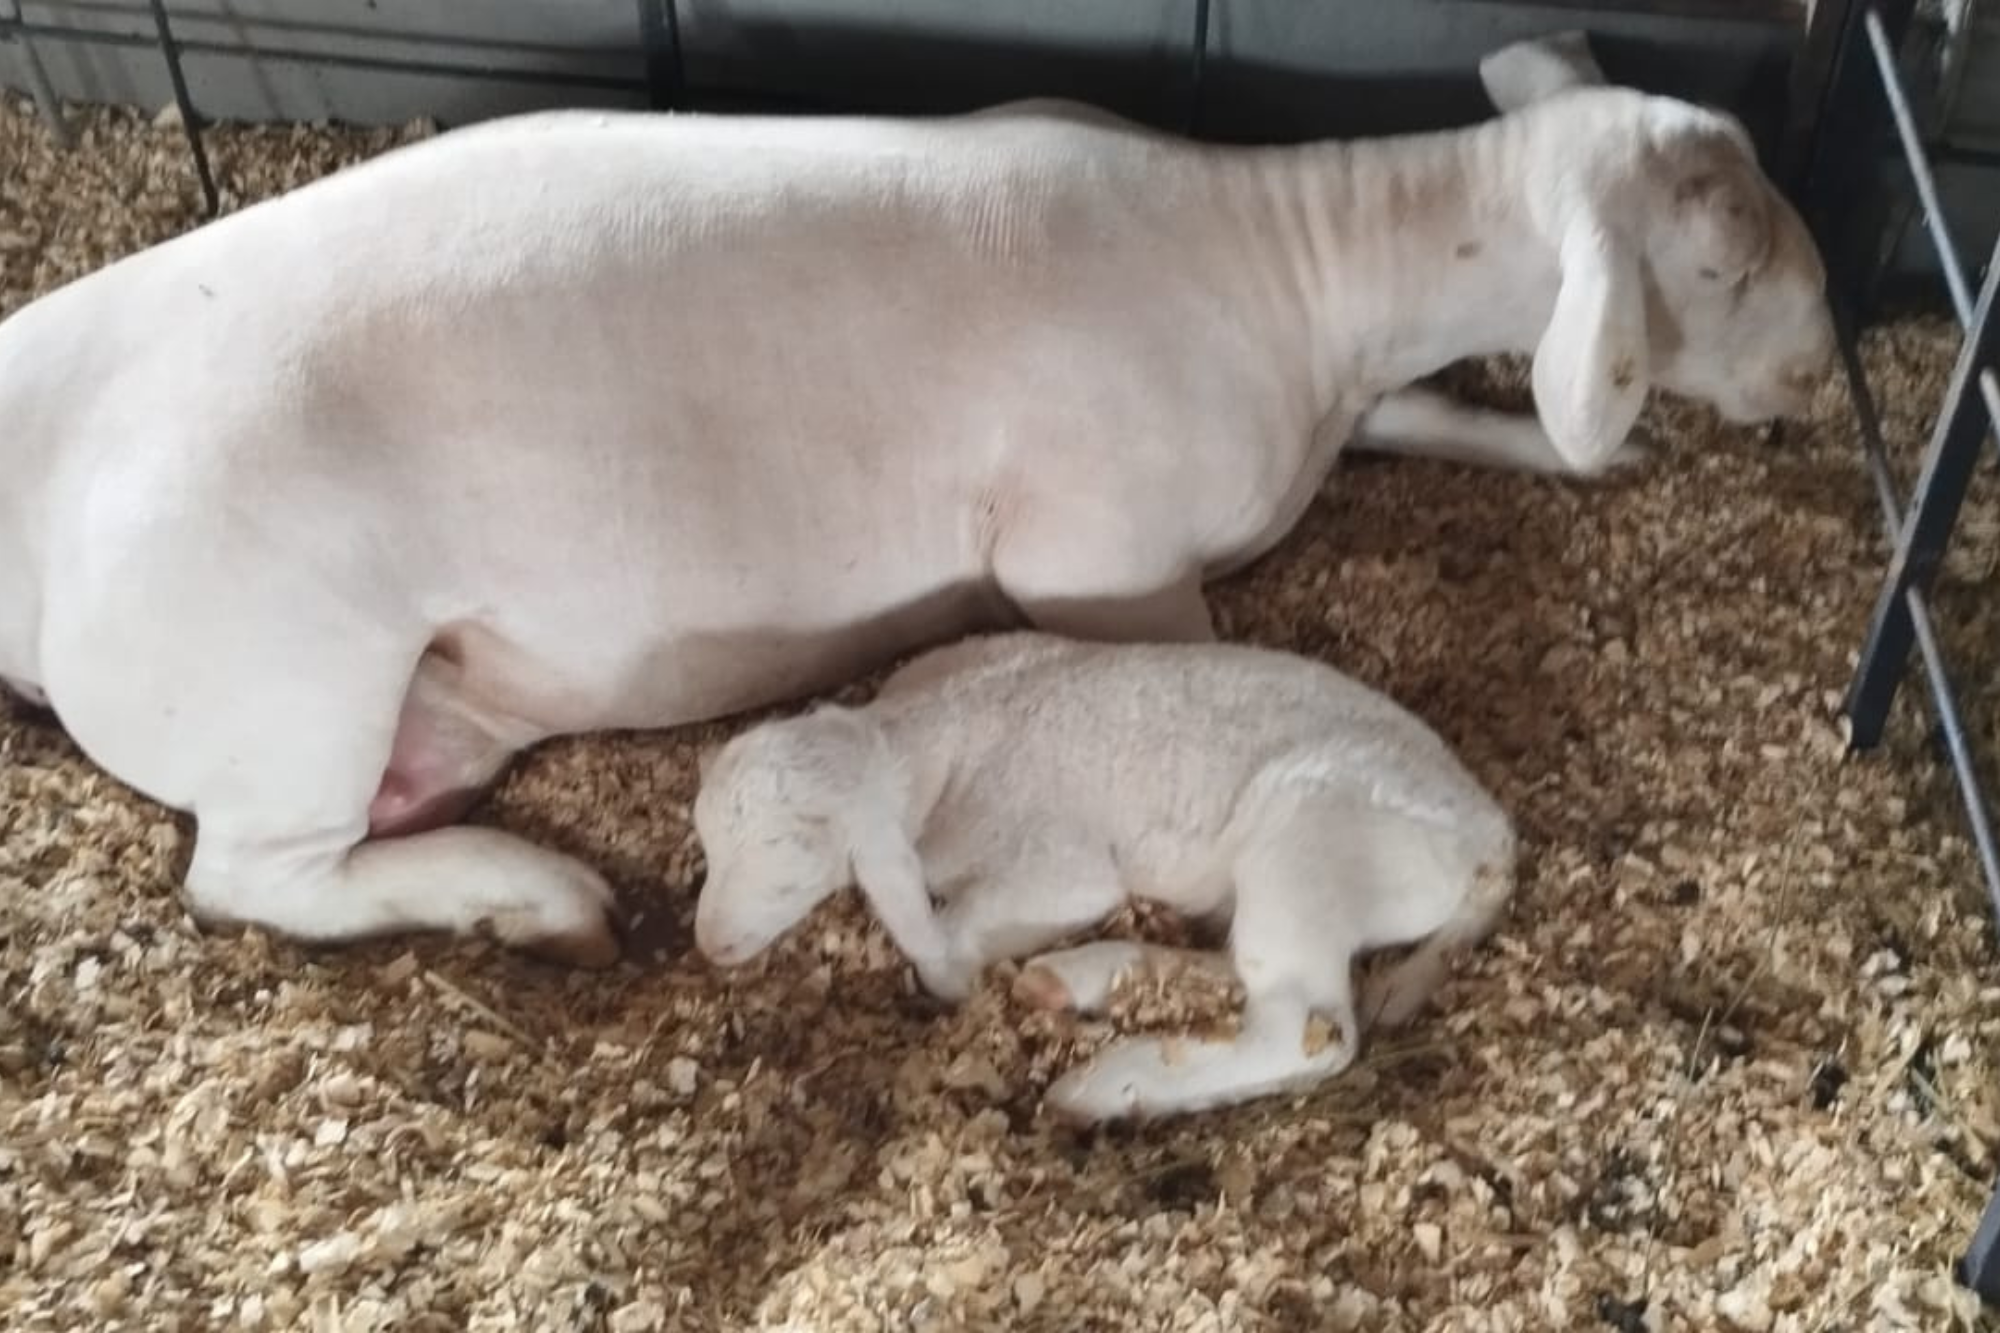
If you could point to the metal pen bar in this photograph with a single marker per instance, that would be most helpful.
(1943, 699)
(1920, 168)
(660, 34)
(1874, 451)
(1954, 449)
(39, 87)
(679, 86)
(190, 125)
(1197, 59)
(1956, 745)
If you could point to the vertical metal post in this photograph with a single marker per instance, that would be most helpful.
(1947, 470)
(660, 33)
(189, 122)
(1197, 61)
(39, 87)
(1980, 1268)
(1815, 77)
(1849, 215)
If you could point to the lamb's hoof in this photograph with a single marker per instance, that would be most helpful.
(1083, 1098)
(1041, 988)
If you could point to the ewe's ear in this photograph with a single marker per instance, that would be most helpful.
(1590, 368)
(1526, 72)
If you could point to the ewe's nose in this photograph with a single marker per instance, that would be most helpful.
(1802, 383)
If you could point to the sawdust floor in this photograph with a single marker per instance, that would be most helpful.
(1731, 1063)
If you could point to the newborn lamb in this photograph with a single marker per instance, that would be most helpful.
(1033, 783)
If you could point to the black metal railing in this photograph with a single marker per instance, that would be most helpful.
(1865, 88)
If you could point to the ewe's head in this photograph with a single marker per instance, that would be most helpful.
(776, 816)
(1682, 264)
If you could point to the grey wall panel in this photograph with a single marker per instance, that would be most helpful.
(545, 41)
(1278, 68)
(943, 55)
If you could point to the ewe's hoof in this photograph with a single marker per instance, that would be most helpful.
(591, 950)
(574, 920)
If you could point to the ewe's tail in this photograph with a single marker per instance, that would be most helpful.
(1393, 998)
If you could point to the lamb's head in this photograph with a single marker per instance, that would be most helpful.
(772, 818)
(1682, 264)
(789, 813)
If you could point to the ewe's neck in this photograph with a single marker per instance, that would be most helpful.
(1405, 254)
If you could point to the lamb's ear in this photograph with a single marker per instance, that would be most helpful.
(891, 877)
(1528, 71)
(1590, 372)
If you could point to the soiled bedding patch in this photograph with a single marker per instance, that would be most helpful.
(1731, 1064)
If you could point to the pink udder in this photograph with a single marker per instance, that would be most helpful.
(422, 790)
(402, 807)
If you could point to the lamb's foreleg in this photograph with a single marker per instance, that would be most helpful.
(1023, 908)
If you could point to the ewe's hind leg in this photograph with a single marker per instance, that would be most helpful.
(1083, 978)
(273, 721)
(1423, 423)
(1081, 568)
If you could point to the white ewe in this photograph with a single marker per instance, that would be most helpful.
(316, 515)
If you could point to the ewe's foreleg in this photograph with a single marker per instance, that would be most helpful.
(1423, 423)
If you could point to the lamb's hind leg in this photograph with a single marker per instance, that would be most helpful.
(1292, 949)
(273, 720)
